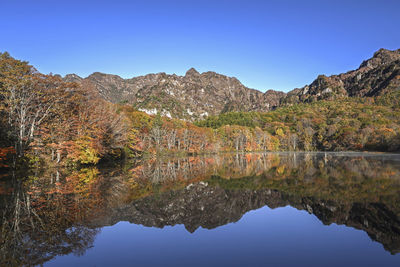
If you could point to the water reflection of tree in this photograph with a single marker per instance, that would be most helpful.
(161, 171)
(55, 213)
(44, 217)
(320, 173)
(331, 176)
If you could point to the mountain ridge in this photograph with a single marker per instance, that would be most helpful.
(376, 75)
(192, 96)
(197, 95)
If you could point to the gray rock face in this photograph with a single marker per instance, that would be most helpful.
(188, 97)
(375, 76)
(197, 95)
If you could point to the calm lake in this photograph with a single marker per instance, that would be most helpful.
(257, 209)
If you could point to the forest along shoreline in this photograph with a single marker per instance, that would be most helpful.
(47, 121)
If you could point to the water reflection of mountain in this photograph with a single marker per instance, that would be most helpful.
(59, 213)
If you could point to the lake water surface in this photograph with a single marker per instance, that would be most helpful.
(258, 209)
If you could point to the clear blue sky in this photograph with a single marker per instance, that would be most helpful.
(265, 44)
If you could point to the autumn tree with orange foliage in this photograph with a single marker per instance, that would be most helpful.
(44, 115)
(28, 99)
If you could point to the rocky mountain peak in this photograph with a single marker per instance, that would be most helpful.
(192, 72)
(382, 56)
(375, 76)
(100, 75)
(190, 97)
(72, 78)
(195, 96)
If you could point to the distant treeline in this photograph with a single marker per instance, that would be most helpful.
(46, 120)
(344, 124)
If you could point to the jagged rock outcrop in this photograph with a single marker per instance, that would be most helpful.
(197, 95)
(375, 76)
(190, 97)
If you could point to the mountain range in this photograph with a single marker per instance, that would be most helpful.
(197, 95)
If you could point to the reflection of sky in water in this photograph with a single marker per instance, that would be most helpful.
(264, 237)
